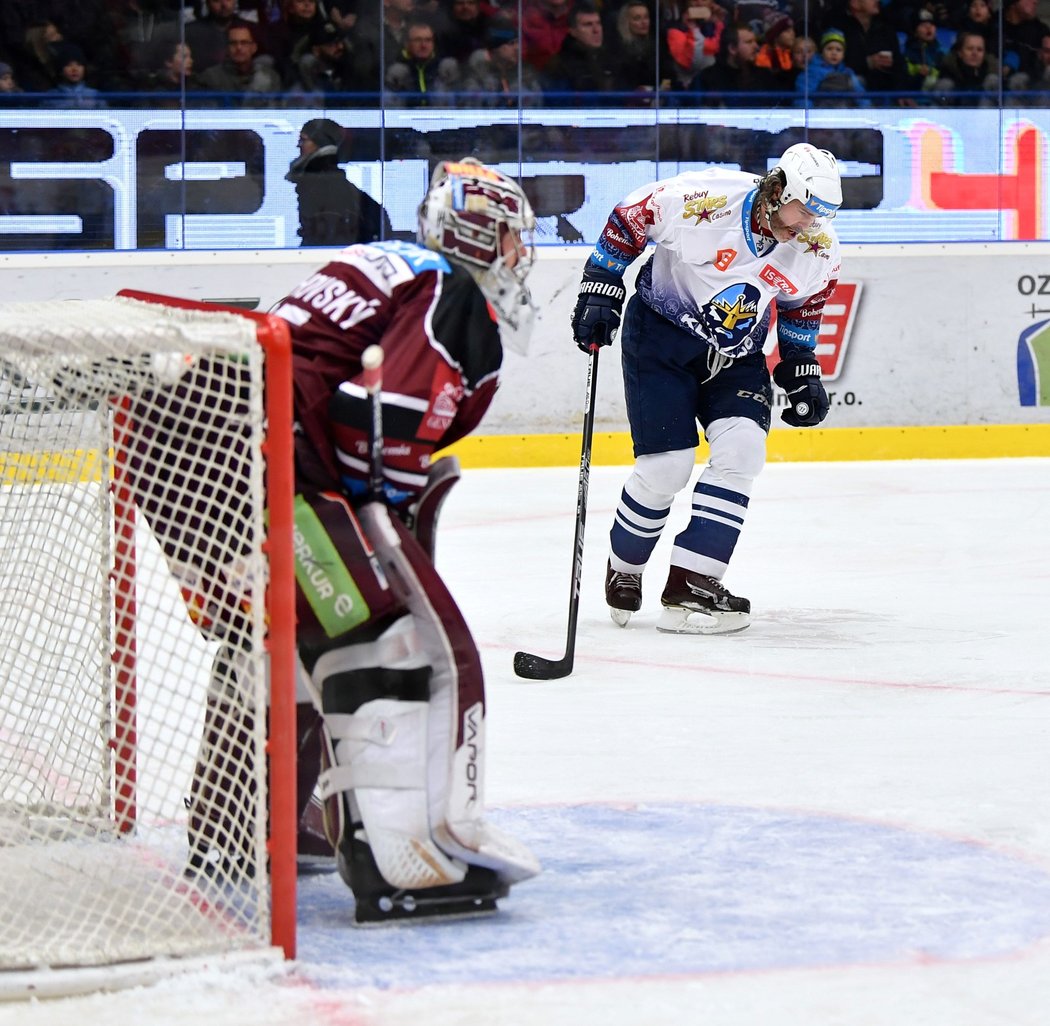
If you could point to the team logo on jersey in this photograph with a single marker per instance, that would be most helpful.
(816, 242)
(728, 320)
(778, 280)
(723, 258)
(702, 207)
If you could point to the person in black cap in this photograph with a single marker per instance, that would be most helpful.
(72, 91)
(332, 211)
(325, 67)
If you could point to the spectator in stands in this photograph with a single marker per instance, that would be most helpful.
(1023, 35)
(288, 39)
(324, 69)
(462, 28)
(207, 36)
(332, 210)
(775, 53)
(634, 52)
(71, 90)
(35, 65)
(10, 90)
(139, 28)
(343, 15)
(827, 80)
(245, 75)
(544, 26)
(801, 54)
(421, 77)
(968, 76)
(583, 66)
(693, 43)
(1032, 92)
(757, 15)
(978, 16)
(491, 76)
(174, 73)
(923, 52)
(361, 46)
(873, 50)
(733, 80)
(383, 30)
(16, 16)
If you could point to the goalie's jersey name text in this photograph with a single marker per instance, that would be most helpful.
(333, 298)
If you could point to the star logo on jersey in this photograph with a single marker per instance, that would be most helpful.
(702, 207)
(815, 242)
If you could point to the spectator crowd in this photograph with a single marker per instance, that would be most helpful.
(510, 53)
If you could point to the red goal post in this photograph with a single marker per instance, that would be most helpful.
(147, 634)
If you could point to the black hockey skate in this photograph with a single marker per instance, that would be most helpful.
(376, 902)
(623, 594)
(697, 604)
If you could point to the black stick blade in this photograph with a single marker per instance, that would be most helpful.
(534, 667)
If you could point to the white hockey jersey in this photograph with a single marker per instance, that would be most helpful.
(711, 274)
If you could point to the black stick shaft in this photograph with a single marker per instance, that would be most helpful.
(536, 667)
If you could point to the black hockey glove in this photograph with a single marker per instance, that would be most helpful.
(799, 376)
(597, 315)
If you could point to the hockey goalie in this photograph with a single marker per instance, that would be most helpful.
(391, 720)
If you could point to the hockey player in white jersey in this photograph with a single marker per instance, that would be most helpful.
(731, 248)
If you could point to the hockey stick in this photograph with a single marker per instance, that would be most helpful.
(372, 366)
(535, 667)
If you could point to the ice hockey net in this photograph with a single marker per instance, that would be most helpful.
(146, 633)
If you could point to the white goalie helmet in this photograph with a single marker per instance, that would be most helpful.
(467, 214)
(811, 176)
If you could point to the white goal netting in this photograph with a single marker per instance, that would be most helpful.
(133, 634)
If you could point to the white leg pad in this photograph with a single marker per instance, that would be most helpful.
(381, 752)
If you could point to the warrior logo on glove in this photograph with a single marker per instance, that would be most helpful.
(596, 318)
(799, 377)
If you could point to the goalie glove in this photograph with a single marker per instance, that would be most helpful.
(596, 318)
(799, 376)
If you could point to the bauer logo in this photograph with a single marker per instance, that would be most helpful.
(836, 327)
(1033, 365)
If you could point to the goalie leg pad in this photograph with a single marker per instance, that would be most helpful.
(456, 716)
(380, 755)
(224, 782)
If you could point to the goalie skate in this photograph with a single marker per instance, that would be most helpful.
(697, 604)
(376, 902)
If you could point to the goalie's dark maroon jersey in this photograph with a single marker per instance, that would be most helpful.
(442, 356)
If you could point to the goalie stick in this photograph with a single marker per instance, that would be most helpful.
(534, 667)
(372, 366)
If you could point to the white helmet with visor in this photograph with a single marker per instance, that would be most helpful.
(811, 176)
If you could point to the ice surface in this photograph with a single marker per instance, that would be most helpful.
(838, 816)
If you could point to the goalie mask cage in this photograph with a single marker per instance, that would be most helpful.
(147, 656)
